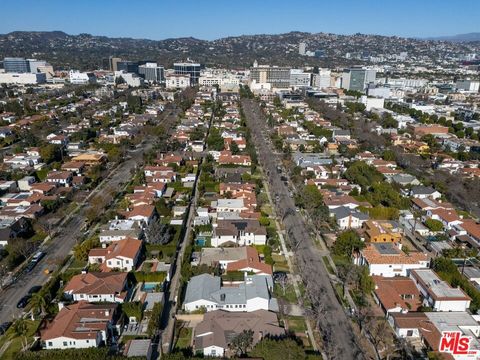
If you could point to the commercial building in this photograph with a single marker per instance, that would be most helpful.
(113, 63)
(127, 66)
(152, 72)
(371, 102)
(34, 65)
(322, 79)
(302, 48)
(176, 81)
(468, 85)
(188, 68)
(81, 78)
(299, 78)
(357, 79)
(15, 65)
(130, 78)
(22, 65)
(22, 78)
(278, 77)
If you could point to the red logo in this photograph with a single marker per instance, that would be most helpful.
(455, 343)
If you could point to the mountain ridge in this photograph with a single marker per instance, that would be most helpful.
(86, 51)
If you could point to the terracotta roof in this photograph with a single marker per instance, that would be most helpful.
(96, 283)
(127, 248)
(252, 261)
(447, 215)
(373, 256)
(472, 228)
(141, 210)
(59, 175)
(390, 292)
(79, 321)
(410, 320)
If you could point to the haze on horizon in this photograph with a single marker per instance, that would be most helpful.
(213, 19)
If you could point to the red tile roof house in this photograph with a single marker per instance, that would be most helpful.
(250, 264)
(42, 188)
(141, 213)
(97, 287)
(166, 159)
(63, 178)
(122, 254)
(234, 188)
(397, 294)
(226, 158)
(80, 325)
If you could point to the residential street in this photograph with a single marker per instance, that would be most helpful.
(70, 231)
(337, 334)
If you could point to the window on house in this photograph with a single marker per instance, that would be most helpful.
(50, 343)
(65, 343)
(410, 333)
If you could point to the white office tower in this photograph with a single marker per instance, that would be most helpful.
(322, 79)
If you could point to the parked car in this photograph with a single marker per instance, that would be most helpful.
(34, 289)
(23, 302)
(4, 327)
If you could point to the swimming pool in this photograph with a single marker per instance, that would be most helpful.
(200, 242)
(149, 287)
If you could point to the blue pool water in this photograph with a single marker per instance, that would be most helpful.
(149, 287)
(200, 242)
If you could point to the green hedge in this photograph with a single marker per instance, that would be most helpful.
(141, 276)
(77, 354)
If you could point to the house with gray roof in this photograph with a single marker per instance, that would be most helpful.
(403, 179)
(215, 333)
(422, 192)
(239, 232)
(348, 218)
(206, 291)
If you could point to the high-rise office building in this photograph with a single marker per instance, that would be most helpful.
(357, 79)
(299, 78)
(112, 63)
(278, 77)
(188, 68)
(322, 79)
(302, 48)
(127, 66)
(15, 65)
(34, 64)
(150, 71)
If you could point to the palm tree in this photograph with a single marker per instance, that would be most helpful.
(21, 329)
(38, 304)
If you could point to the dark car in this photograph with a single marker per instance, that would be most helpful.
(23, 302)
(34, 289)
(4, 327)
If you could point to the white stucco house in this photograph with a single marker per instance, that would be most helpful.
(206, 291)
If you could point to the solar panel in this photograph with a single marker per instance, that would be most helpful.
(386, 249)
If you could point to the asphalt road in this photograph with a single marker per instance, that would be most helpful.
(72, 230)
(334, 325)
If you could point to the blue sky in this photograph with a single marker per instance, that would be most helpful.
(212, 19)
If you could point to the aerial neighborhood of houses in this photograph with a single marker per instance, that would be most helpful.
(229, 212)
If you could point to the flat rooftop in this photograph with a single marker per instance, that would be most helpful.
(436, 286)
